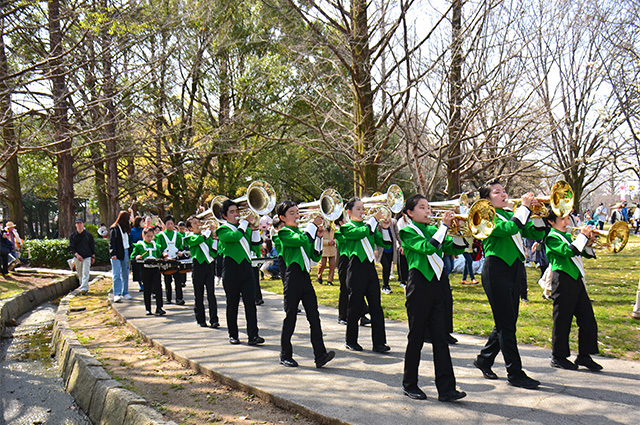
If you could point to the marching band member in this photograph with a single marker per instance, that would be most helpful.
(170, 243)
(148, 249)
(204, 247)
(343, 264)
(502, 276)
(570, 295)
(298, 250)
(362, 277)
(424, 246)
(236, 237)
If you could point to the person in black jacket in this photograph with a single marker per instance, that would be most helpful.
(119, 249)
(6, 247)
(83, 247)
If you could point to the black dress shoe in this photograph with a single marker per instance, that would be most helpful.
(451, 339)
(414, 393)
(486, 371)
(364, 321)
(382, 348)
(259, 302)
(452, 395)
(256, 340)
(180, 302)
(325, 358)
(160, 312)
(233, 340)
(563, 363)
(288, 362)
(202, 324)
(588, 362)
(353, 347)
(342, 322)
(215, 325)
(524, 382)
(149, 313)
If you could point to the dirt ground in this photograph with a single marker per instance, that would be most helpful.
(178, 393)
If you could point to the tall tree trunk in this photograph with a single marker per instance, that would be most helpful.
(455, 102)
(60, 123)
(9, 142)
(366, 169)
(109, 128)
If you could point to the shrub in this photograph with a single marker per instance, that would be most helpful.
(54, 253)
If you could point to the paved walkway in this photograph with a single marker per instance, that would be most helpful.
(364, 387)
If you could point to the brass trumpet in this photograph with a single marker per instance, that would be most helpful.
(615, 239)
(387, 203)
(329, 207)
(561, 200)
(478, 223)
(259, 199)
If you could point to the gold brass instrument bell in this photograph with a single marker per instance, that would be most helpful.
(260, 199)
(329, 207)
(388, 203)
(615, 239)
(561, 200)
(478, 223)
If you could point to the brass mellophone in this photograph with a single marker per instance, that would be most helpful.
(478, 223)
(615, 239)
(561, 200)
(260, 199)
(329, 207)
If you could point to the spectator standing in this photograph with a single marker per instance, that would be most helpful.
(636, 218)
(134, 237)
(329, 252)
(601, 212)
(119, 248)
(83, 247)
(617, 215)
(14, 237)
(625, 212)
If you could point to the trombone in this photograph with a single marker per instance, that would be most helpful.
(388, 203)
(329, 207)
(478, 223)
(561, 201)
(615, 239)
(260, 199)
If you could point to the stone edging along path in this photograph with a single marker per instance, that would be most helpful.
(103, 399)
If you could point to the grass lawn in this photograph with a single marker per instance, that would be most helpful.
(612, 283)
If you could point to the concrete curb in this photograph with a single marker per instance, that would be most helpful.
(16, 306)
(100, 397)
(233, 383)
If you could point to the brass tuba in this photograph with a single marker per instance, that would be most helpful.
(329, 207)
(387, 203)
(561, 200)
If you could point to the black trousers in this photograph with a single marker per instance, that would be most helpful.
(4, 257)
(386, 260)
(151, 285)
(362, 281)
(177, 278)
(218, 265)
(202, 279)
(238, 281)
(570, 299)
(502, 285)
(298, 287)
(256, 275)
(425, 309)
(343, 298)
(403, 268)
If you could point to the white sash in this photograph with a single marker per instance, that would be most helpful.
(305, 257)
(171, 249)
(435, 261)
(243, 240)
(205, 250)
(368, 249)
(517, 239)
(577, 259)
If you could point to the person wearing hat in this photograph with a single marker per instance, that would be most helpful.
(83, 247)
(14, 237)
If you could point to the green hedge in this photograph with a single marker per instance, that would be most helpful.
(54, 253)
